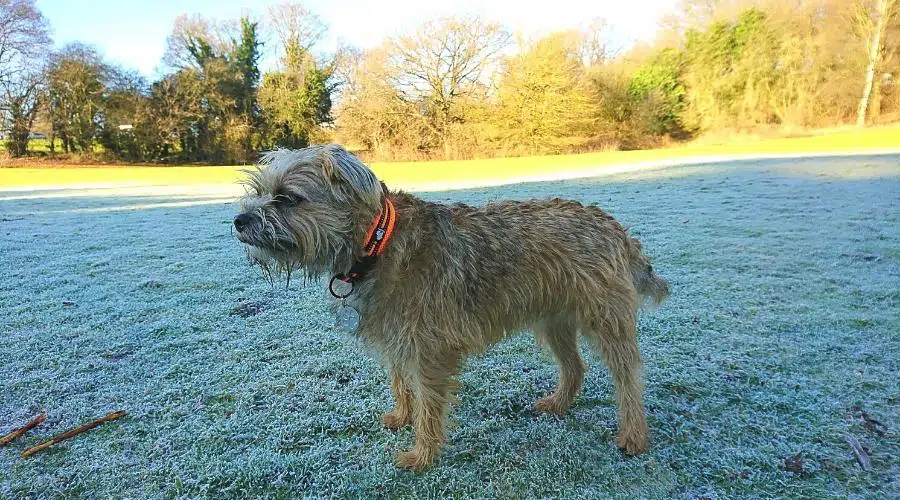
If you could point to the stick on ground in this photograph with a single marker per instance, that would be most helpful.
(16, 433)
(74, 432)
(861, 456)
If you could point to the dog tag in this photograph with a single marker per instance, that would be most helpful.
(348, 318)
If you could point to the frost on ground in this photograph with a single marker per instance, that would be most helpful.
(781, 340)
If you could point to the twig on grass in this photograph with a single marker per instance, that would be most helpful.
(861, 456)
(74, 432)
(16, 433)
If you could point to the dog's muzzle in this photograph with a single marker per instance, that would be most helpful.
(243, 221)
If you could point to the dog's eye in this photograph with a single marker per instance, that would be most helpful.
(289, 199)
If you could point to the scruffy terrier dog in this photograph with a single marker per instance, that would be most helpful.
(425, 285)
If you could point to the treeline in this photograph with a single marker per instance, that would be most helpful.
(213, 105)
(455, 87)
(448, 90)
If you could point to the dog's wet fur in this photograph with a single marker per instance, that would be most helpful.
(455, 279)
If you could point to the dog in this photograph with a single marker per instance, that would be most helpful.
(425, 285)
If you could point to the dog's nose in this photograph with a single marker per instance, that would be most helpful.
(242, 221)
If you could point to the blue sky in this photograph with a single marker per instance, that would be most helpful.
(133, 33)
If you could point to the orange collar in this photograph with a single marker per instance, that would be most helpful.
(376, 238)
(381, 230)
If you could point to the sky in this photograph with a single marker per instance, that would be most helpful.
(133, 32)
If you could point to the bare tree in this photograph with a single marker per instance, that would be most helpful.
(21, 99)
(872, 21)
(372, 114)
(195, 39)
(596, 47)
(444, 63)
(296, 26)
(24, 33)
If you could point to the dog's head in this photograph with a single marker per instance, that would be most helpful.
(308, 209)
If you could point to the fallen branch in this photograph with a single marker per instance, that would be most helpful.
(16, 433)
(861, 456)
(74, 432)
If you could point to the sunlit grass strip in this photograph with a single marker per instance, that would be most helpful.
(495, 170)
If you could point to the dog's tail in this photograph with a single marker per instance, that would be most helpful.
(649, 285)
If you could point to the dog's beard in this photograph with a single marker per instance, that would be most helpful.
(274, 267)
(282, 247)
(270, 244)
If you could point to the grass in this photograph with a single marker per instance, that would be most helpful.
(782, 337)
(472, 172)
(37, 145)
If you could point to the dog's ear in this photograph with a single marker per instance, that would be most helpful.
(351, 178)
(325, 161)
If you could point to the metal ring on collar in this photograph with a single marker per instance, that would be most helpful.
(335, 294)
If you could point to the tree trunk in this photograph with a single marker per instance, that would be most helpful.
(22, 144)
(875, 50)
(874, 112)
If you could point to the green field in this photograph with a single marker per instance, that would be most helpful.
(782, 338)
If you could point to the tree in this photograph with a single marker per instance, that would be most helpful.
(296, 99)
(296, 27)
(543, 94)
(245, 119)
(372, 113)
(656, 88)
(873, 20)
(124, 102)
(76, 81)
(218, 62)
(24, 34)
(170, 123)
(729, 72)
(445, 63)
(21, 98)
(596, 47)
(246, 61)
(194, 40)
(783, 63)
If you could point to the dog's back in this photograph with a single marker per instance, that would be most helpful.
(510, 264)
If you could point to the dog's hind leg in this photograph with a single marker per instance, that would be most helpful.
(562, 339)
(616, 339)
(402, 411)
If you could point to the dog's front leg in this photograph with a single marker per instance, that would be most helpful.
(431, 400)
(402, 411)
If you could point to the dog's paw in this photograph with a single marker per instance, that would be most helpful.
(395, 419)
(414, 460)
(551, 404)
(632, 444)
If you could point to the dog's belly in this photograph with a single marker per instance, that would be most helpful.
(465, 327)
